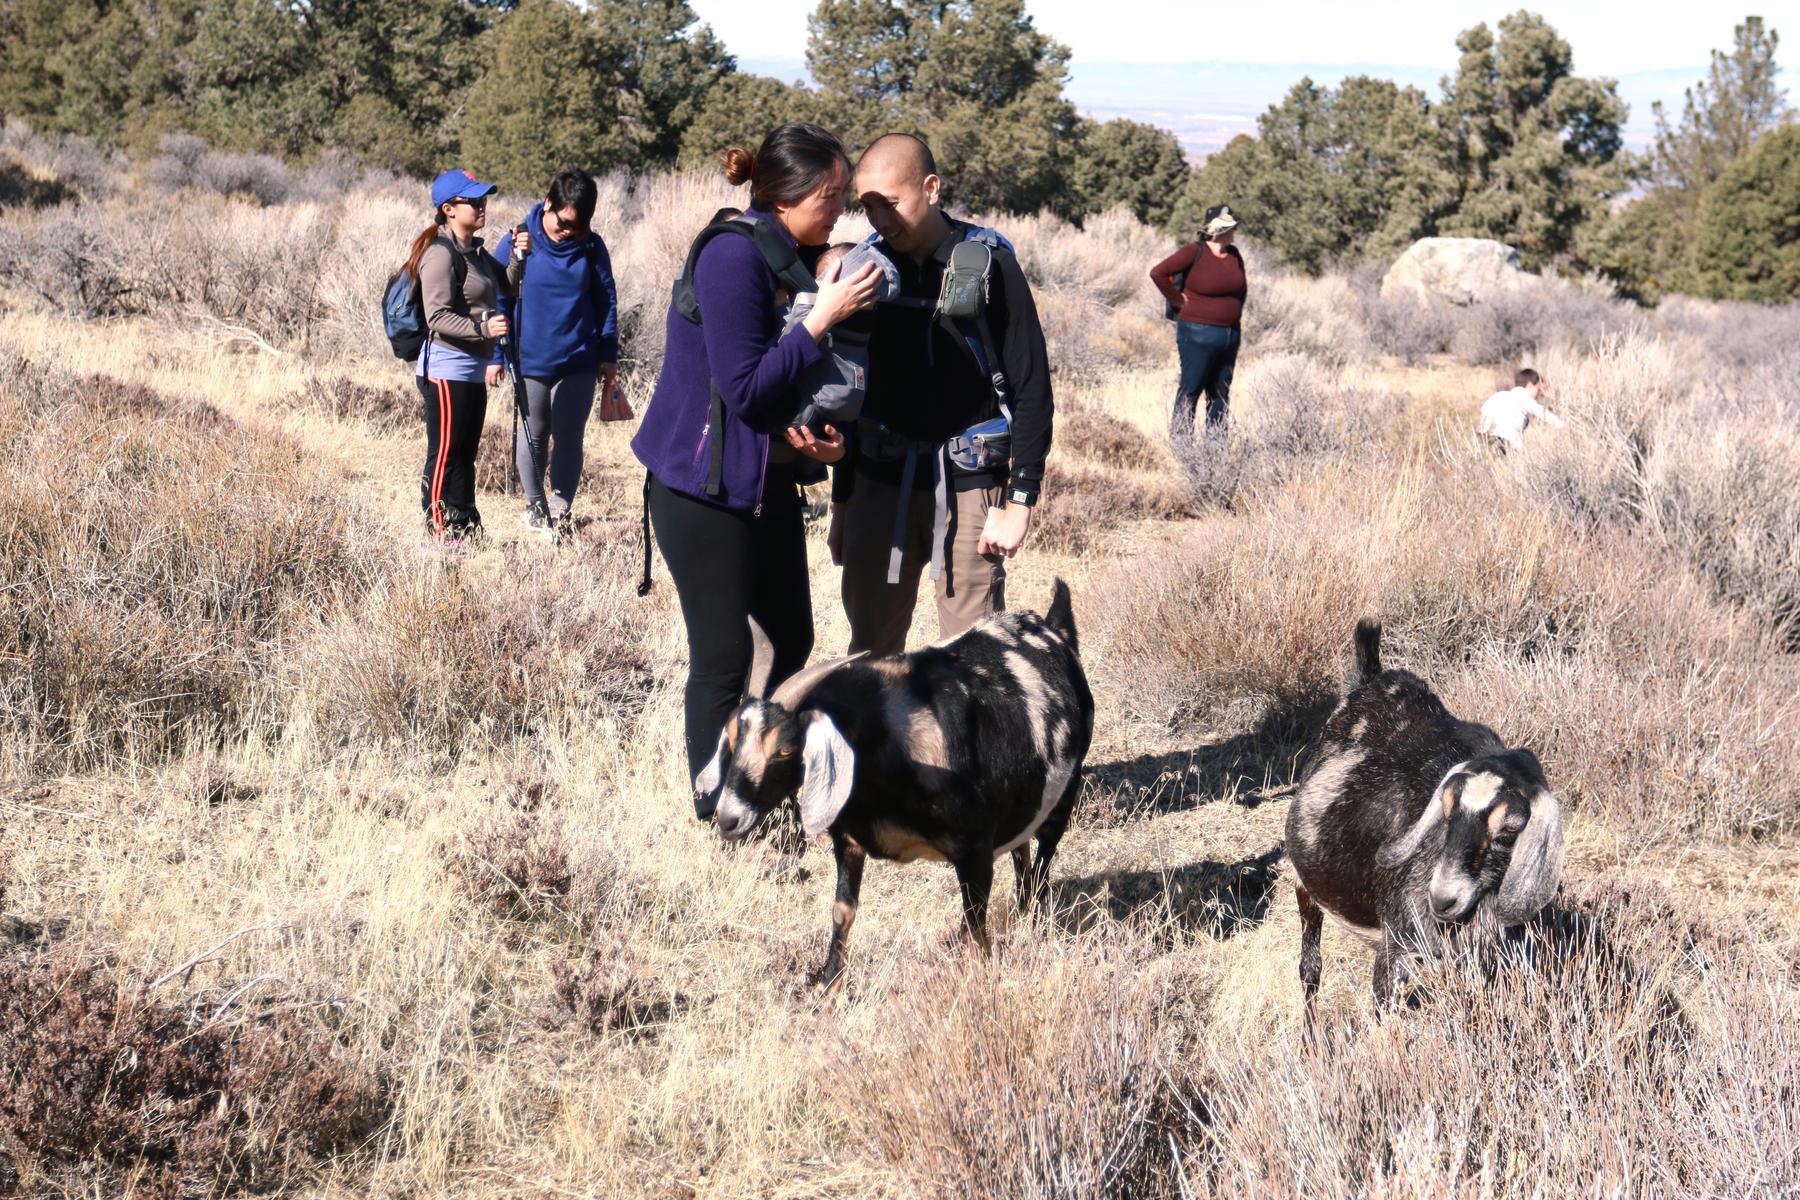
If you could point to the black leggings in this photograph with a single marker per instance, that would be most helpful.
(729, 565)
(455, 411)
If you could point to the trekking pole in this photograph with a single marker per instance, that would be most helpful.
(512, 449)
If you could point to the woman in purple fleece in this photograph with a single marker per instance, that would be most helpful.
(725, 503)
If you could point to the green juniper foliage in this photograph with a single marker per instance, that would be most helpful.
(1747, 241)
(974, 77)
(1517, 146)
(1359, 171)
(1125, 164)
(1535, 149)
(1648, 248)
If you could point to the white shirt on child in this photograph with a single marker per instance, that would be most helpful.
(1506, 414)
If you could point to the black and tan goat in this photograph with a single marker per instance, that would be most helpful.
(959, 752)
(1410, 821)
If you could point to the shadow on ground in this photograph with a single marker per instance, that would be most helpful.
(1247, 769)
(1219, 900)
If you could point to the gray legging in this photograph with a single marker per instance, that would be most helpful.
(558, 413)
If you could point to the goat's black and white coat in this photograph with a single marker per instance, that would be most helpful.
(958, 752)
(1409, 821)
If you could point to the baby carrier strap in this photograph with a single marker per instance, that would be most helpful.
(777, 253)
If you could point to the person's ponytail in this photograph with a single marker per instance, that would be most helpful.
(740, 165)
(793, 162)
(421, 244)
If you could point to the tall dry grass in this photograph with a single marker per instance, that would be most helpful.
(291, 780)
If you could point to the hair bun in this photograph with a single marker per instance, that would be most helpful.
(740, 165)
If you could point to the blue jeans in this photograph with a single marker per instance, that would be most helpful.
(1208, 355)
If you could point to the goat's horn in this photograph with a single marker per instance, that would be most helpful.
(762, 661)
(794, 688)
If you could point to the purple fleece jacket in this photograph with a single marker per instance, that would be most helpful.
(737, 345)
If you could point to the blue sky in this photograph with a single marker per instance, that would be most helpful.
(1205, 69)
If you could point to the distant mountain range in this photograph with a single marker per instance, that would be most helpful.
(1206, 104)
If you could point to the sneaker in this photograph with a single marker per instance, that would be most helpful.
(537, 519)
(564, 526)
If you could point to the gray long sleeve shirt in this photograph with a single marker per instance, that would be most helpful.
(461, 322)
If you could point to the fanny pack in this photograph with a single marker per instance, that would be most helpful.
(984, 447)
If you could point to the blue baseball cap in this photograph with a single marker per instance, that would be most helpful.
(457, 183)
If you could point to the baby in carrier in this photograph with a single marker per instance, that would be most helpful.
(832, 390)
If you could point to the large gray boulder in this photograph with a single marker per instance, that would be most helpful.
(1460, 271)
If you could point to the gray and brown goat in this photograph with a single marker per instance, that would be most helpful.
(1409, 822)
(959, 752)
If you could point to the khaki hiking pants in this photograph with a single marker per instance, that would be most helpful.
(972, 586)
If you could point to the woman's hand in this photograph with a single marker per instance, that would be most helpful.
(840, 298)
(495, 373)
(497, 326)
(827, 447)
(521, 244)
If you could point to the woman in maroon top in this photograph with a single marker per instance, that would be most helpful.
(1211, 304)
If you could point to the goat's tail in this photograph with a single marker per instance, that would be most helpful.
(1368, 650)
(1061, 616)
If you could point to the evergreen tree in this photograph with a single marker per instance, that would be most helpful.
(1359, 171)
(1535, 148)
(99, 68)
(1126, 164)
(1646, 248)
(739, 111)
(393, 75)
(1747, 244)
(250, 65)
(1722, 115)
(974, 77)
(547, 100)
(665, 68)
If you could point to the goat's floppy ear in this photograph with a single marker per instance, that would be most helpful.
(1537, 862)
(713, 773)
(828, 764)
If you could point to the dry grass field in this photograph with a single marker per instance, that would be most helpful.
(332, 868)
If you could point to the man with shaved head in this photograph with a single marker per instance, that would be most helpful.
(913, 493)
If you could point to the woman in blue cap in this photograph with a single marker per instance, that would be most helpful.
(460, 286)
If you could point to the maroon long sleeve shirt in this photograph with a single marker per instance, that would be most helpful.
(1212, 293)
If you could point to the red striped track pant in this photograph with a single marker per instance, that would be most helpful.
(455, 411)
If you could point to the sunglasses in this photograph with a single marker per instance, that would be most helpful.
(481, 203)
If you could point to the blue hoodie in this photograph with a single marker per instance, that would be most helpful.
(739, 347)
(569, 323)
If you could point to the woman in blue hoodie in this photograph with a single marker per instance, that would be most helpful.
(567, 323)
(725, 501)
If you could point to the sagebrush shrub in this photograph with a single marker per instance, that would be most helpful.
(1083, 508)
(150, 588)
(108, 1085)
(1613, 1062)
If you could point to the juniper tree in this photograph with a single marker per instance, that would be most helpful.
(1125, 164)
(1747, 239)
(974, 77)
(740, 110)
(1357, 171)
(546, 101)
(1534, 148)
